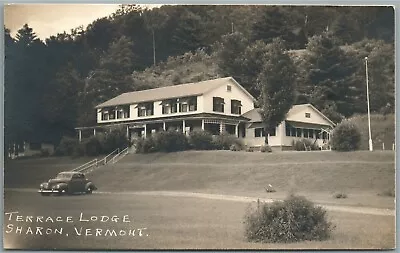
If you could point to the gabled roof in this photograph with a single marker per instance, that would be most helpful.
(175, 91)
(254, 115)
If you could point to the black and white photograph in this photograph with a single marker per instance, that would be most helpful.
(199, 127)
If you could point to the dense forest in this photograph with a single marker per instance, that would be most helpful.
(52, 86)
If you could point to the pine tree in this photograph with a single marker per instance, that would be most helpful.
(277, 80)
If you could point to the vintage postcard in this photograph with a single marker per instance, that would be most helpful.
(212, 127)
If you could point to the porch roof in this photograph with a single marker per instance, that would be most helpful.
(197, 116)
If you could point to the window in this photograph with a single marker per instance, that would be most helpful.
(145, 109)
(112, 114)
(123, 112)
(236, 107)
(192, 104)
(298, 132)
(290, 131)
(308, 115)
(229, 88)
(324, 135)
(259, 132)
(218, 104)
(104, 115)
(183, 107)
(272, 132)
(169, 106)
(308, 133)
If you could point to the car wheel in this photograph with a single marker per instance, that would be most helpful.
(89, 190)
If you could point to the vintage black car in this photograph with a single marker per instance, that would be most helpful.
(69, 182)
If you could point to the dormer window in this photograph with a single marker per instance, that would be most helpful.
(218, 104)
(308, 115)
(236, 106)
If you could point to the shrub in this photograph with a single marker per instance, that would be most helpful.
(93, 146)
(67, 146)
(292, 220)
(346, 137)
(170, 141)
(340, 195)
(44, 152)
(79, 150)
(301, 144)
(225, 141)
(266, 148)
(235, 147)
(249, 149)
(146, 145)
(113, 140)
(200, 140)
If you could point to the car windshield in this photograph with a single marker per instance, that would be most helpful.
(63, 175)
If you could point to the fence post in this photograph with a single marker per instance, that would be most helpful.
(383, 146)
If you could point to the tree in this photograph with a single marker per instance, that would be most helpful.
(229, 53)
(329, 73)
(154, 20)
(111, 78)
(277, 80)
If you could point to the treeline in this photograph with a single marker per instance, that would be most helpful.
(51, 86)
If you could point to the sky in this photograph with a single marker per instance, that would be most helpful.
(50, 19)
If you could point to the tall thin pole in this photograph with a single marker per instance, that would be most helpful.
(232, 27)
(369, 116)
(154, 48)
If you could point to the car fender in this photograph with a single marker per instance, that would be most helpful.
(62, 186)
(90, 185)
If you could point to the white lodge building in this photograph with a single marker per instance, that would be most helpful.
(218, 105)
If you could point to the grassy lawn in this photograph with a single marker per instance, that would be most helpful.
(197, 223)
(30, 172)
(186, 223)
(316, 175)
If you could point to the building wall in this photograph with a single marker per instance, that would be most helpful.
(252, 141)
(235, 93)
(133, 114)
(300, 115)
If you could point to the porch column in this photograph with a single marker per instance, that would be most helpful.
(221, 127)
(183, 126)
(202, 124)
(237, 130)
(94, 131)
(164, 127)
(80, 135)
(145, 130)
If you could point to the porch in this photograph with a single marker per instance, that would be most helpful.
(143, 129)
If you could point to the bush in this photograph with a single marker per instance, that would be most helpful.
(67, 146)
(200, 140)
(301, 144)
(340, 195)
(170, 141)
(266, 148)
(147, 145)
(292, 220)
(93, 147)
(235, 147)
(79, 150)
(225, 141)
(346, 137)
(44, 152)
(112, 140)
